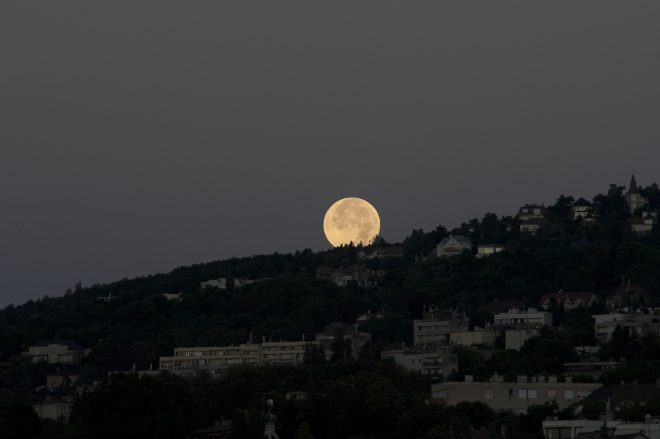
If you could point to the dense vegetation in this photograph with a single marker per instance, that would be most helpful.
(363, 398)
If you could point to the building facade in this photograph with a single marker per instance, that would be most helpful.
(514, 339)
(473, 338)
(577, 428)
(57, 409)
(629, 295)
(452, 246)
(433, 329)
(530, 318)
(518, 396)
(218, 358)
(343, 276)
(634, 323)
(220, 284)
(439, 363)
(592, 369)
(645, 224)
(582, 209)
(62, 352)
(349, 332)
(484, 250)
(390, 251)
(634, 197)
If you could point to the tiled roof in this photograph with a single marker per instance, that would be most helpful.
(628, 289)
(458, 238)
(581, 202)
(561, 296)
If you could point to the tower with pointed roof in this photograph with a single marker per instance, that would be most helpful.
(634, 197)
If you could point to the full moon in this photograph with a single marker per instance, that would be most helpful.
(351, 220)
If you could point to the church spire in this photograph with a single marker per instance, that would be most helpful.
(633, 189)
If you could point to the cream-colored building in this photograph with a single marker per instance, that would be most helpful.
(349, 332)
(54, 381)
(531, 212)
(593, 369)
(435, 364)
(634, 197)
(56, 409)
(217, 358)
(220, 284)
(62, 352)
(514, 339)
(516, 318)
(484, 250)
(472, 338)
(638, 323)
(645, 224)
(283, 352)
(433, 329)
(582, 209)
(518, 396)
(573, 429)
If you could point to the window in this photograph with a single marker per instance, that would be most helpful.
(582, 393)
(510, 393)
(552, 394)
(531, 394)
(568, 394)
(522, 393)
(488, 393)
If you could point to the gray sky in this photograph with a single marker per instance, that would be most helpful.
(137, 136)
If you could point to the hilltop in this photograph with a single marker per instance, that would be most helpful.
(138, 323)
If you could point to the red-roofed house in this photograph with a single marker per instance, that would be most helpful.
(629, 295)
(568, 301)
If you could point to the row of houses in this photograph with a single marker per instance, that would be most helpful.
(641, 218)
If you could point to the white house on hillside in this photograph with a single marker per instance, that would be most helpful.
(452, 246)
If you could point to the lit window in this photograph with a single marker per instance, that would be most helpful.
(568, 394)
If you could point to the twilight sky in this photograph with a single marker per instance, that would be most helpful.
(137, 136)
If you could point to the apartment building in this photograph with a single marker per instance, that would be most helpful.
(516, 318)
(60, 352)
(56, 409)
(517, 396)
(577, 428)
(188, 360)
(592, 369)
(473, 338)
(637, 323)
(349, 332)
(439, 363)
(433, 329)
(514, 339)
